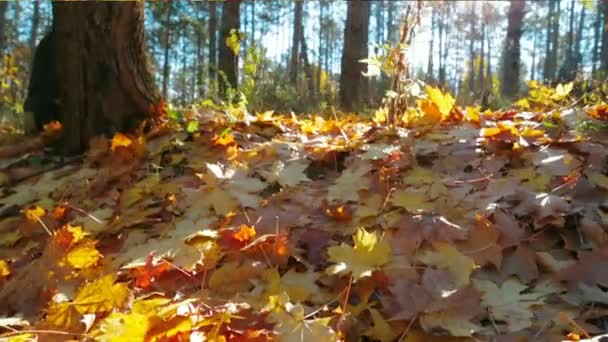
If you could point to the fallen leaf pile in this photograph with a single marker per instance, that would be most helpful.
(456, 223)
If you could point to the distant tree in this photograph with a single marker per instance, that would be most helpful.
(511, 60)
(354, 49)
(3, 36)
(212, 42)
(91, 71)
(604, 51)
(167, 28)
(35, 25)
(296, 42)
(228, 60)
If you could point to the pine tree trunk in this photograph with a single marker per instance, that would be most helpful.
(555, 41)
(604, 54)
(596, 42)
(295, 44)
(212, 44)
(228, 60)
(95, 59)
(512, 63)
(166, 42)
(3, 35)
(34, 29)
(429, 67)
(321, 46)
(355, 49)
(548, 41)
(471, 84)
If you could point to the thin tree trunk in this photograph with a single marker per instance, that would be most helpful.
(578, 55)
(34, 29)
(307, 67)
(534, 48)
(253, 20)
(596, 42)
(95, 62)
(166, 42)
(480, 76)
(321, 46)
(390, 27)
(3, 35)
(548, 41)
(471, 84)
(212, 45)
(429, 68)
(295, 43)
(355, 48)
(228, 60)
(604, 54)
(512, 63)
(555, 41)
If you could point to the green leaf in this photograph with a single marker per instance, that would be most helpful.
(192, 126)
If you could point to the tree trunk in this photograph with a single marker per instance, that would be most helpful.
(228, 60)
(429, 67)
(91, 71)
(253, 21)
(3, 35)
(512, 63)
(307, 68)
(390, 27)
(548, 41)
(321, 46)
(596, 42)
(604, 54)
(34, 29)
(295, 44)
(472, 34)
(534, 48)
(355, 49)
(212, 45)
(166, 42)
(555, 41)
(480, 77)
(198, 87)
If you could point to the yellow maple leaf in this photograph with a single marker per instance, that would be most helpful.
(120, 140)
(118, 327)
(101, 296)
(350, 181)
(368, 253)
(4, 270)
(447, 257)
(300, 286)
(84, 255)
(291, 325)
(444, 102)
(381, 331)
(64, 316)
(232, 278)
(34, 213)
(412, 200)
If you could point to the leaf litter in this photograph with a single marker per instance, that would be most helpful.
(455, 224)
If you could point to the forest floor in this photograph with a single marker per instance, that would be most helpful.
(457, 225)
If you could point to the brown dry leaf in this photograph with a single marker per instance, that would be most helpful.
(482, 244)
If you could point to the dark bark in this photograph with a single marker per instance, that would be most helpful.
(166, 42)
(554, 41)
(429, 66)
(472, 38)
(548, 41)
(3, 36)
(604, 54)
(597, 24)
(390, 26)
(512, 63)
(307, 67)
(97, 76)
(228, 60)
(356, 33)
(321, 46)
(480, 71)
(212, 43)
(534, 48)
(295, 43)
(34, 28)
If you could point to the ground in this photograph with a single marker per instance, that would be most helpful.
(241, 227)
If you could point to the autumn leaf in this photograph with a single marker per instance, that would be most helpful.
(4, 270)
(120, 140)
(413, 201)
(34, 213)
(369, 252)
(291, 325)
(381, 330)
(123, 327)
(350, 181)
(64, 316)
(101, 295)
(508, 303)
(444, 101)
(447, 257)
(287, 174)
(84, 255)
